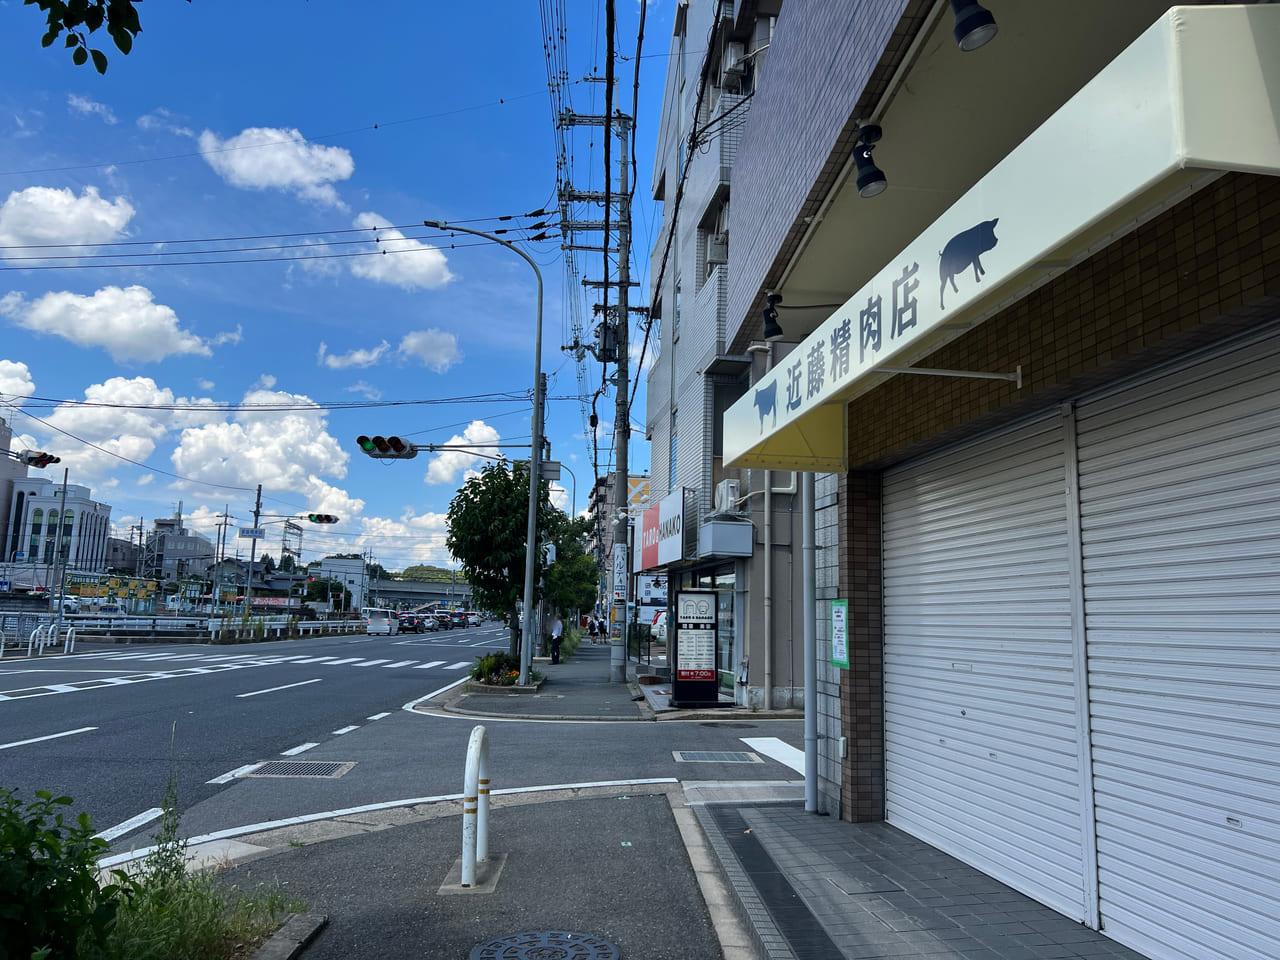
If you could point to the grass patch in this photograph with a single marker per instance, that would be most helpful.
(54, 904)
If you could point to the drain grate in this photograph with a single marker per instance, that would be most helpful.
(546, 945)
(715, 756)
(330, 769)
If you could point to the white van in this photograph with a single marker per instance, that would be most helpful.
(377, 621)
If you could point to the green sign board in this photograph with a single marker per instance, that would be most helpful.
(840, 633)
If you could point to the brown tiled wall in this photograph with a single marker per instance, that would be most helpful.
(862, 685)
(1202, 270)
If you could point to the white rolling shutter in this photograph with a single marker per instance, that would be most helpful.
(981, 726)
(1180, 513)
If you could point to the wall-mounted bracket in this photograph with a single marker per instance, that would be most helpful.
(1015, 377)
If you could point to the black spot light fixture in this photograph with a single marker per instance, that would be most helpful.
(772, 329)
(975, 25)
(871, 179)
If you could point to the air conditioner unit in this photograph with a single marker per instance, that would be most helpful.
(726, 499)
(733, 64)
(717, 248)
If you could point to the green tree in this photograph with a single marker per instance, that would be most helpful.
(571, 580)
(488, 527)
(79, 18)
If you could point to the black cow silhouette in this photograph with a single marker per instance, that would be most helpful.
(766, 401)
(963, 250)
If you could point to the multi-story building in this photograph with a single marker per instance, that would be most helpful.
(1035, 383)
(602, 509)
(47, 527)
(172, 552)
(737, 528)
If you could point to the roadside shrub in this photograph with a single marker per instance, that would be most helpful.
(499, 670)
(51, 903)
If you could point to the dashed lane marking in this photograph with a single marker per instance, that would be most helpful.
(301, 748)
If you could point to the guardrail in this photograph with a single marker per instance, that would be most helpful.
(475, 805)
(19, 629)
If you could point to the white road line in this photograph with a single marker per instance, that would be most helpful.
(316, 659)
(334, 663)
(458, 666)
(237, 772)
(287, 686)
(427, 666)
(378, 716)
(51, 736)
(402, 663)
(372, 663)
(338, 733)
(120, 829)
(779, 750)
(301, 748)
(60, 687)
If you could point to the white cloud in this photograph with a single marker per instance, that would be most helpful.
(409, 264)
(127, 322)
(45, 215)
(355, 358)
(162, 119)
(366, 390)
(205, 385)
(15, 379)
(448, 466)
(418, 538)
(437, 349)
(130, 424)
(84, 105)
(265, 158)
(283, 450)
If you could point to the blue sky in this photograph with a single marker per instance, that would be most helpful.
(301, 125)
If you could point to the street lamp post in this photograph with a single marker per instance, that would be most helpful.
(535, 468)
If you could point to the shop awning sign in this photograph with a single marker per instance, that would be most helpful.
(1192, 97)
(662, 532)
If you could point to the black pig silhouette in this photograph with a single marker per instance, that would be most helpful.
(766, 401)
(963, 249)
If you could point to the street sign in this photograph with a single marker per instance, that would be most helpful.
(4, 586)
(252, 533)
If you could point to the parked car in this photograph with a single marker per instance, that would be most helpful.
(659, 627)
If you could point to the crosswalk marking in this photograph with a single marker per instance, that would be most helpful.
(172, 666)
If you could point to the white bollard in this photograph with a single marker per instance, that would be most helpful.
(475, 805)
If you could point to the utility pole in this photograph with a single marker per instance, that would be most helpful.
(613, 346)
(253, 553)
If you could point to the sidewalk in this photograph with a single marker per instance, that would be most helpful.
(655, 872)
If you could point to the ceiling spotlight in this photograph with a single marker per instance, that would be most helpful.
(871, 179)
(974, 24)
(772, 330)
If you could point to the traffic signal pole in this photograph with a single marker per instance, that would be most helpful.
(253, 553)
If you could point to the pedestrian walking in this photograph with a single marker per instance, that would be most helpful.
(557, 635)
(591, 628)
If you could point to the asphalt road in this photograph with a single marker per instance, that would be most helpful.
(108, 726)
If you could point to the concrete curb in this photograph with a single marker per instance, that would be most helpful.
(298, 930)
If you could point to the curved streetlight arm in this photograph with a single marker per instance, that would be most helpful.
(535, 468)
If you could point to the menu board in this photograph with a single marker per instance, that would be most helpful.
(694, 681)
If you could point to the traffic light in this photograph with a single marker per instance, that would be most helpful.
(387, 448)
(37, 458)
(322, 518)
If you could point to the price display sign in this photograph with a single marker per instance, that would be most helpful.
(693, 681)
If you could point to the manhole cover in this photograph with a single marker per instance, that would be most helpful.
(332, 769)
(546, 945)
(715, 756)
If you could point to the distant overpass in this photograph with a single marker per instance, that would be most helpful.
(416, 593)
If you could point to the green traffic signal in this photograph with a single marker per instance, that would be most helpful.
(322, 518)
(366, 444)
